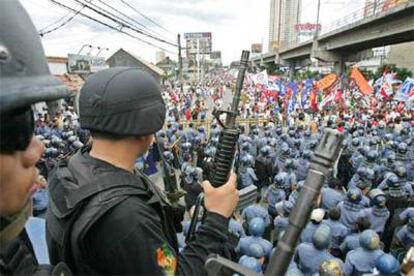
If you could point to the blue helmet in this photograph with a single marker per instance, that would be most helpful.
(410, 224)
(265, 150)
(279, 131)
(290, 164)
(362, 171)
(378, 197)
(255, 250)
(321, 239)
(257, 227)
(77, 144)
(251, 263)
(279, 180)
(372, 156)
(307, 154)
(201, 129)
(168, 155)
(313, 144)
(354, 195)
(72, 139)
(401, 171)
(393, 181)
(245, 146)
(387, 264)
(369, 240)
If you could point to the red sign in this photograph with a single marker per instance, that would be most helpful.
(307, 27)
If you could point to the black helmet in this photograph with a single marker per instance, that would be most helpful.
(25, 76)
(122, 101)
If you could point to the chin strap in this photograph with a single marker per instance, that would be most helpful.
(15, 224)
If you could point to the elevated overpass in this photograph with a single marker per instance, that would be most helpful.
(374, 29)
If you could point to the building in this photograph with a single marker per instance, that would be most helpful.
(168, 66)
(159, 56)
(402, 55)
(124, 58)
(284, 15)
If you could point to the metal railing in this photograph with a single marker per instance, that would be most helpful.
(372, 9)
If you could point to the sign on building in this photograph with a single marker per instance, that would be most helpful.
(215, 55)
(82, 64)
(198, 43)
(257, 48)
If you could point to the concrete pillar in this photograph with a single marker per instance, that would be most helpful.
(292, 66)
(340, 66)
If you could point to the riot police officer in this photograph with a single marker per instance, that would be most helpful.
(114, 219)
(24, 80)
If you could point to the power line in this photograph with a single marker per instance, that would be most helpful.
(132, 19)
(61, 25)
(55, 22)
(111, 27)
(126, 25)
(143, 15)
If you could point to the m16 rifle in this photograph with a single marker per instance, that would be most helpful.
(172, 191)
(324, 158)
(226, 149)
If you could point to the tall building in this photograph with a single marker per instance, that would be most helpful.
(284, 15)
(159, 56)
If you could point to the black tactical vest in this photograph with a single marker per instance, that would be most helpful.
(78, 200)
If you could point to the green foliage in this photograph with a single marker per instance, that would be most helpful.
(402, 73)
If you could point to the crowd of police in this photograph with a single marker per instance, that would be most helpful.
(85, 175)
(346, 233)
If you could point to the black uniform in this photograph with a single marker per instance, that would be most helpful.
(105, 220)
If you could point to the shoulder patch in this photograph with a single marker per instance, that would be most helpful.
(166, 260)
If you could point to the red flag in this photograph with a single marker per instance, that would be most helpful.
(361, 82)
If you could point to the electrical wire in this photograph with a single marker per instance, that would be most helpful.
(54, 23)
(63, 23)
(143, 15)
(132, 19)
(125, 25)
(111, 27)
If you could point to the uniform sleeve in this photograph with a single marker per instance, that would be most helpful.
(133, 242)
(209, 238)
(348, 267)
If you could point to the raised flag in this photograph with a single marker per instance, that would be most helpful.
(406, 91)
(327, 81)
(361, 82)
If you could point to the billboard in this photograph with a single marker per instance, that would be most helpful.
(82, 64)
(198, 43)
(215, 55)
(257, 48)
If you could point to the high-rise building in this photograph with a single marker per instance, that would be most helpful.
(159, 56)
(284, 15)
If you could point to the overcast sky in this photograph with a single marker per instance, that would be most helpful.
(235, 24)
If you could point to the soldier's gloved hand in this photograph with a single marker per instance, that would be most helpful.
(222, 200)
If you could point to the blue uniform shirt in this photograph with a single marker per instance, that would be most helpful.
(360, 261)
(338, 232)
(309, 258)
(330, 198)
(349, 213)
(308, 232)
(377, 217)
(405, 237)
(256, 210)
(236, 228)
(245, 243)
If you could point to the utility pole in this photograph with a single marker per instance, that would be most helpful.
(317, 19)
(180, 64)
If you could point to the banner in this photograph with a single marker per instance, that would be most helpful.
(327, 81)
(406, 91)
(361, 82)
